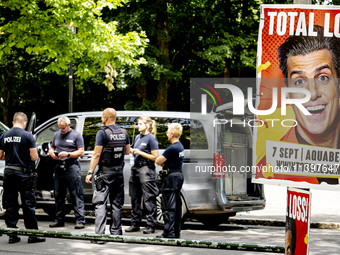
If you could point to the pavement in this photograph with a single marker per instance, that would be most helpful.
(325, 209)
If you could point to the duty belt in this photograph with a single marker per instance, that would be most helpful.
(173, 170)
(140, 164)
(107, 168)
(67, 162)
(18, 168)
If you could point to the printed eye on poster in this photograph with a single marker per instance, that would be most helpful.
(297, 141)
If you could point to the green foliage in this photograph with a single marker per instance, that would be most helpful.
(204, 38)
(144, 105)
(45, 27)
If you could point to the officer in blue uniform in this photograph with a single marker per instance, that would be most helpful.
(172, 182)
(112, 143)
(143, 176)
(20, 150)
(67, 145)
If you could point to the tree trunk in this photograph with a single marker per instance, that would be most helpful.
(163, 45)
(7, 95)
(229, 21)
(6, 107)
(162, 96)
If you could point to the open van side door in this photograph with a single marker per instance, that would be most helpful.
(32, 123)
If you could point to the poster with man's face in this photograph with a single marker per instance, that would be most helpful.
(297, 139)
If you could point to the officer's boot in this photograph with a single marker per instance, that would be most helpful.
(132, 228)
(149, 230)
(36, 239)
(14, 239)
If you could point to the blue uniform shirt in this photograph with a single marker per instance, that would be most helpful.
(174, 155)
(68, 142)
(145, 143)
(16, 143)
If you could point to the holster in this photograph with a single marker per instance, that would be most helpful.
(99, 180)
(62, 169)
(32, 181)
(163, 173)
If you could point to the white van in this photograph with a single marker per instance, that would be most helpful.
(211, 197)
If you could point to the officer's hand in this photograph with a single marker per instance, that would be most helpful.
(88, 178)
(54, 156)
(63, 154)
(136, 151)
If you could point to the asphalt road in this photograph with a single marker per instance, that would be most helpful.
(325, 208)
(322, 241)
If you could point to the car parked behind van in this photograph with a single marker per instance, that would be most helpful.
(210, 196)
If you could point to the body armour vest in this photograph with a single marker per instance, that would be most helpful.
(114, 150)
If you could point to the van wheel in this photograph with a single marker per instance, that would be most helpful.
(213, 220)
(2, 210)
(50, 210)
(160, 219)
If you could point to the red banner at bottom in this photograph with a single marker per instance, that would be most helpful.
(297, 221)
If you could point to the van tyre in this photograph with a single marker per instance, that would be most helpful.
(213, 220)
(2, 210)
(160, 220)
(50, 210)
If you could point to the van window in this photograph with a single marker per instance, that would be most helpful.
(91, 127)
(193, 135)
(93, 124)
(3, 128)
(47, 134)
(197, 136)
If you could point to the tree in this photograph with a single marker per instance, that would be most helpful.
(197, 38)
(149, 82)
(43, 28)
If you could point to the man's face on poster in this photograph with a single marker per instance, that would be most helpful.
(315, 72)
(288, 243)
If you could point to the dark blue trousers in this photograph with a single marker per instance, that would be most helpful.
(69, 177)
(14, 182)
(143, 184)
(172, 204)
(113, 189)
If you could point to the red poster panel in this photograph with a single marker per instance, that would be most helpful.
(298, 58)
(297, 221)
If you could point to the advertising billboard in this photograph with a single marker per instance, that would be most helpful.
(297, 139)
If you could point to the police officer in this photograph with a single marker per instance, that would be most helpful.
(112, 143)
(20, 150)
(67, 145)
(172, 182)
(143, 176)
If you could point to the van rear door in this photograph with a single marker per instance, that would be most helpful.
(233, 146)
